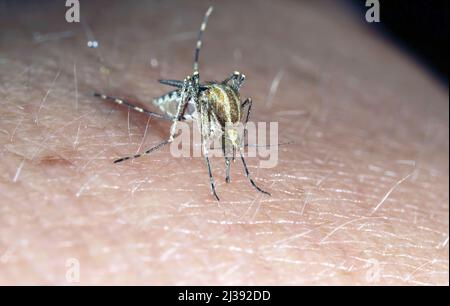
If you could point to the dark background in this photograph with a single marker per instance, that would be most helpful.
(417, 26)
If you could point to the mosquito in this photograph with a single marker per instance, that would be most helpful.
(215, 106)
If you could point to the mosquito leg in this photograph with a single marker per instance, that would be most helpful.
(227, 167)
(186, 90)
(132, 106)
(249, 107)
(247, 103)
(211, 179)
(227, 157)
(152, 149)
(247, 173)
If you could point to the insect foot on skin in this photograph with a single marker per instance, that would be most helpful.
(213, 105)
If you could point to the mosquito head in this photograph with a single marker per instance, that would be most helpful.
(235, 81)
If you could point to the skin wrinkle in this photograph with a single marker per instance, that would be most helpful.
(153, 221)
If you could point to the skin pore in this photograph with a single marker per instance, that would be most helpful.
(359, 197)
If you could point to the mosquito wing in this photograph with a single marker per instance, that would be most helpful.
(168, 104)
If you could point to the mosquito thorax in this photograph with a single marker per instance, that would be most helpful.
(225, 102)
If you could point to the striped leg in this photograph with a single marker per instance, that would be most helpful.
(211, 179)
(227, 158)
(199, 39)
(186, 92)
(132, 106)
(247, 173)
(183, 101)
(152, 149)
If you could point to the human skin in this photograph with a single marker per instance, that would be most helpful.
(360, 196)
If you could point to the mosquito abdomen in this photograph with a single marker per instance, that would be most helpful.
(168, 103)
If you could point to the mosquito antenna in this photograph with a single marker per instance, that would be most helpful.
(199, 39)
